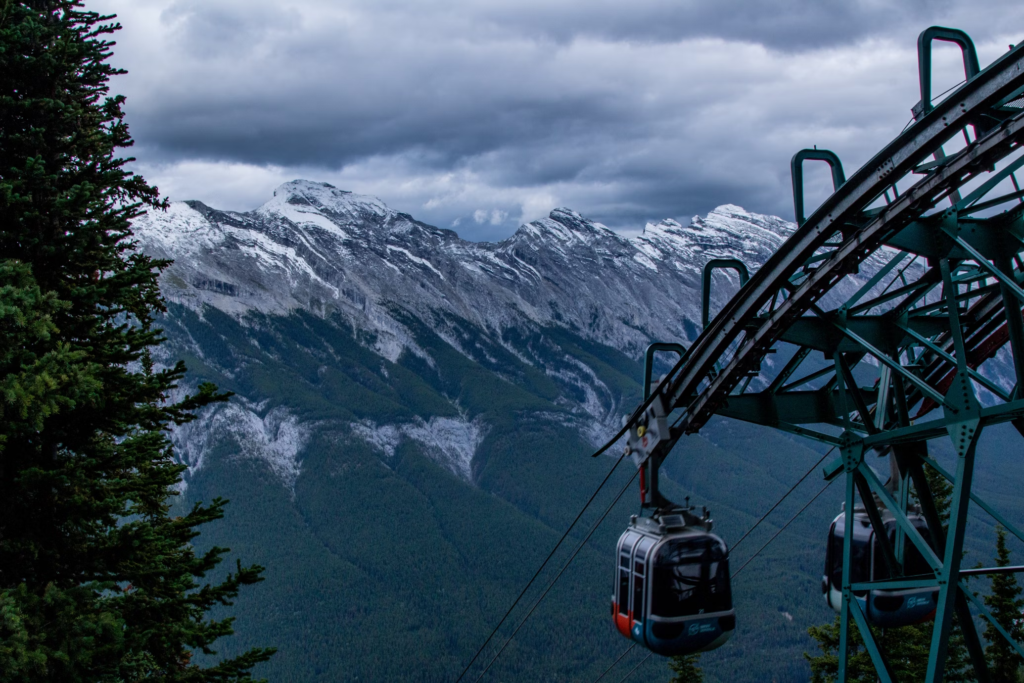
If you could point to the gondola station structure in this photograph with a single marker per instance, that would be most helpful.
(873, 366)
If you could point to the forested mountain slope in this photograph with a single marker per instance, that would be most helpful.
(412, 423)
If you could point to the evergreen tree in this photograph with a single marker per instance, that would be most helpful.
(825, 667)
(97, 582)
(1006, 605)
(685, 670)
(906, 650)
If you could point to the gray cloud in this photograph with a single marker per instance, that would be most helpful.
(484, 113)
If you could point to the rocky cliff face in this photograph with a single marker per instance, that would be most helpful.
(315, 250)
(325, 250)
(412, 418)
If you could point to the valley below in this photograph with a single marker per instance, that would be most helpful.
(411, 426)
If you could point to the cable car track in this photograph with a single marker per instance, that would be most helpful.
(842, 209)
(929, 340)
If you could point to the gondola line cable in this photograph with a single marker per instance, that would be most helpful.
(779, 501)
(551, 554)
(784, 526)
(633, 670)
(898, 276)
(608, 444)
(606, 671)
(559, 574)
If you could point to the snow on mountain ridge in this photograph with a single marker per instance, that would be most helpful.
(338, 254)
(307, 198)
(316, 247)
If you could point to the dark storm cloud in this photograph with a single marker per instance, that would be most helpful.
(789, 25)
(482, 113)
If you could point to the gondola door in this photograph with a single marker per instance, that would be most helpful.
(630, 601)
(621, 608)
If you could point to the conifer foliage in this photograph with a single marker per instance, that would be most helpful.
(97, 581)
(686, 669)
(1005, 602)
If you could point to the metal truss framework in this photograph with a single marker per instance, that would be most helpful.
(947, 217)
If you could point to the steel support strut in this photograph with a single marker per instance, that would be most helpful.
(963, 422)
(923, 332)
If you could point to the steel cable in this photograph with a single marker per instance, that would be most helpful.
(550, 555)
(560, 572)
(784, 526)
(611, 442)
(785, 495)
(606, 671)
(631, 671)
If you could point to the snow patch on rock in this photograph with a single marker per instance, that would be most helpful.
(275, 439)
(450, 442)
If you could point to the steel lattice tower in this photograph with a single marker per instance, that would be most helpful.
(942, 205)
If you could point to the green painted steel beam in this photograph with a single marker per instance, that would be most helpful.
(1005, 280)
(896, 585)
(812, 434)
(975, 375)
(874, 280)
(877, 525)
(913, 535)
(808, 378)
(882, 669)
(882, 357)
(990, 184)
(923, 238)
(922, 284)
(988, 571)
(828, 336)
(833, 469)
(787, 371)
(844, 610)
(963, 422)
(791, 407)
(933, 429)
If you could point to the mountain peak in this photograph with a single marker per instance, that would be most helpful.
(732, 210)
(307, 201)
(565, 226)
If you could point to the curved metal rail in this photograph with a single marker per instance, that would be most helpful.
(925, 330)
(844, 211)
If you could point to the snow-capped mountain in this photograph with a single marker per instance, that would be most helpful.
(326, 250)
(413, 414)
(346, 257)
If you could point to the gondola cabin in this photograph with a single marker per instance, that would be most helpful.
(672, 590)
(884, 608)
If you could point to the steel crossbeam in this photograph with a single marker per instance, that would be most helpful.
(914, 335)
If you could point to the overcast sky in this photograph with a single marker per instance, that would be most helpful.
(478, 115)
